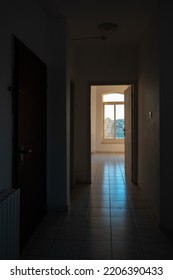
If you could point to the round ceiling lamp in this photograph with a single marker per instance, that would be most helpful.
(107, 27)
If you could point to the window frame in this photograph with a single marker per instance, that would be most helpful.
(111, 141)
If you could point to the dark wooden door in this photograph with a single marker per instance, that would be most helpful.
(29, 143)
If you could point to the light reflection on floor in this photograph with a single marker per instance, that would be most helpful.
(108, 219)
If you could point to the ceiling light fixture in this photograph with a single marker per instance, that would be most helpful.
(107, 27)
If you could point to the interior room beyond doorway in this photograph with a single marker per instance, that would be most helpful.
(107, 118)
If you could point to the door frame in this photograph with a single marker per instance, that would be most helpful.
(134, 139)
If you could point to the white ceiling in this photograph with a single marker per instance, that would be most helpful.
(131, 16)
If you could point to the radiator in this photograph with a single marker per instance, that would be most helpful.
(9, 224)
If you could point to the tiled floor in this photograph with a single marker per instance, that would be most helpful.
(108, 219)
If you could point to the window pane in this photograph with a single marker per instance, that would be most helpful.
(109, 121)
(113, 97)
(120, 121)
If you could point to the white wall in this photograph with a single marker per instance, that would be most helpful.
(148, 128)
(47, 38)
(96, 65)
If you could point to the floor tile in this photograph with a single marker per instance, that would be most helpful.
(99, 203)
(127, 251)
(98, 221)
(99, 212)
(97, 233)
(146, 222)
(92, 249)
(101, 191)
(121, 213)
(107, 219)
(125, 235)
(141, 213)
(37, 248)
(77, 211)
(158, 251)
(70, 233)
(64, 248)
(79, 203)
(120, 204)
(123, 223)
(73, 221)
(45, 233)
(152, 236)
(52, 219)
(100, 197)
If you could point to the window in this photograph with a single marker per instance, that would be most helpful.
(113, 117)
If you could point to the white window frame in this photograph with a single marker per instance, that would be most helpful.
(111, 141)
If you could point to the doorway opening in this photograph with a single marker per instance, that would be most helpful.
(113, 123)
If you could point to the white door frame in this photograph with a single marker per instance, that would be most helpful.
(134, 126)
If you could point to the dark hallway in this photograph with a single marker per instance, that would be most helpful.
(108, 219)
